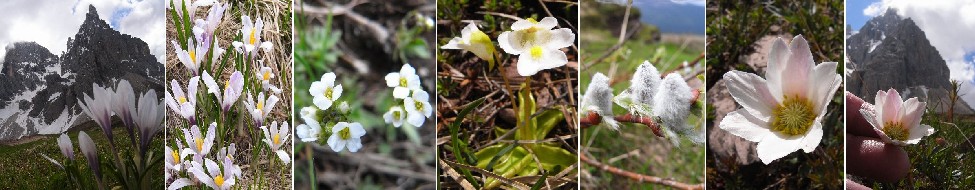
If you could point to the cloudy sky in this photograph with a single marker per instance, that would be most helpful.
(948, 24)
(51, 22)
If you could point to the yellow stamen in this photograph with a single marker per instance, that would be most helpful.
(419, 105)
(896, 131)
(794, 116)
(253, 37)
(536, 52)
(182, 100)
(260, 105)
(176, 156)
(277, 138)
(402, 81)
(267, 75)
(396, 115)
(218, 180)
(199, 144)
(193, 56)
(328, 93)
(345, 134)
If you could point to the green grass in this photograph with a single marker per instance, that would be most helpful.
(656, 156)
(934, 165)
(25, 168)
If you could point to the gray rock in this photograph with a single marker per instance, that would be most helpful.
(721, 144)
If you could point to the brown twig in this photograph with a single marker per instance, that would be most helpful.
(640, 177)
(593, 118)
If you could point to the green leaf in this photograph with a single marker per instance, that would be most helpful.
(547, 120)
(551, 156)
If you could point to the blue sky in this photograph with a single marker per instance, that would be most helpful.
(676, 16)
(854, 15)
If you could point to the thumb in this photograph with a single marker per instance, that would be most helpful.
(870, 158)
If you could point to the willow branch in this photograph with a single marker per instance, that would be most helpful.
(640, 177)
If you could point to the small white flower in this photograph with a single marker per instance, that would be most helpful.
(212, 176)
(277, 137)
(325, 92)
(309, 132)
(396, 115)
(232, 89)
(782, 112)
(418, 108)
(599, 99)
(199, 145)
(474, 40)
(265, 75)
(672, 106)
(184, 103)
(251, 33)
(897, 122)
(346, 135)
(537, 44)
(260, 110)
(403, 82)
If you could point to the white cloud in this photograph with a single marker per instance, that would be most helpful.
(690, 2)
(948, 25)
(51, 22)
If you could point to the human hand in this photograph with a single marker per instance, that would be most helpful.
(866, 155)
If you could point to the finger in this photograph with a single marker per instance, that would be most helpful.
(855, 123)
(870, 158)
(851, 185)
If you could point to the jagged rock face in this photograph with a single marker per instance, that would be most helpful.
(39, 91)
(893, 52)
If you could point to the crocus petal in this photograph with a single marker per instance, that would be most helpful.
(67, 149)
(284, 156)
(91, 154)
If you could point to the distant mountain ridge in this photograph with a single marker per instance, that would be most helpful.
(39, 90)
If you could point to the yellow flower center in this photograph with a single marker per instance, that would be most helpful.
(193, 56)
(896, 131)
(418, 105)
(532, 20)
(396, 115)
(176, 156)
(199, 144)
(267, 75)
(253, 38)
(277, 138)
(182, 99)
(260, 105)
(402, 81)
(536, 52)
(218, 180)
(328, 93)
(345, 134)
(794, 116)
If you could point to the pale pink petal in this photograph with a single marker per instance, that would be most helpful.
(750, 91)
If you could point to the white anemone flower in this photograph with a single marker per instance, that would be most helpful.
(277, 137)
(346, 135)
(897, 122)
(418, 108)
(99, 108)
(232, 89)
(251, 33)
(199, 145)
(213, 176)
(474, 40)
(403, 82)
(67, 149)
(183, 103)
(326, 91)
(396, 115)
(537, 44)
(599, 99)
(262, 108)
(782, 112)
(265, 75)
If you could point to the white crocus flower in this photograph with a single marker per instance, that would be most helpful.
(227, 153)
(149, 118)
(67, 149)
(672, 106)
(209, 26)
(326, 91)
(265, 75)
(418, 108)
(124, 103)
(191, 57)
(346, 135)
(251, 33)
(537, 44)
(199, 145)
(233, 87)
(183, 103)
(396, 115)
(783, 111)
(190, 5)
(897, 122)
(403, 82)
(599, 99)
(213, 176)
(259, 110)
(91, 153)
(99, 108)
(174, 157)
(276, 137)
(474, 40)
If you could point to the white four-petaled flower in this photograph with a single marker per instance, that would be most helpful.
(346, 135)
(418, 108)
(403, 82)
(396, 115)
(782, 112)
(326, 91)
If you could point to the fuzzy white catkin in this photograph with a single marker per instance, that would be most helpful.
(644, 83)
(599, 98)
(672, 106)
